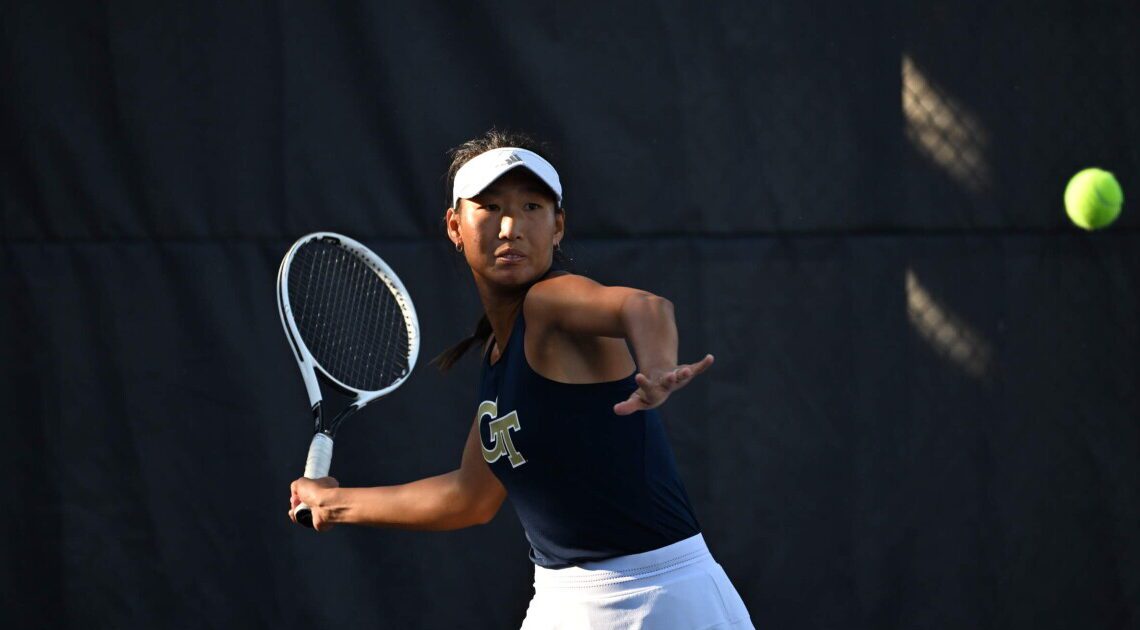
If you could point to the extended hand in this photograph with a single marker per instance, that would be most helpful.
(655, 387)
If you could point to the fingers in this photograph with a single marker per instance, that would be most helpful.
(652, 392)
(631, 404)
(685, 373)
(665, 383)
(694, 369)
(305, 490)
(703, 364)
(294, 501)
(295, 490)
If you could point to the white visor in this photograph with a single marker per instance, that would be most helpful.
(481, 170)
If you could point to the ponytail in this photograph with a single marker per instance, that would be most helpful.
(449, 357)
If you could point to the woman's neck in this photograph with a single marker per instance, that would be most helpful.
(502, 309)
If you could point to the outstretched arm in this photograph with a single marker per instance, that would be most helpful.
(469, 495)
(578, 305)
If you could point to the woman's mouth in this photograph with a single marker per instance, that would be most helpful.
(510, 256)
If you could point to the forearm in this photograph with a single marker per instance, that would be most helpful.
(433, 503)
(651, 330)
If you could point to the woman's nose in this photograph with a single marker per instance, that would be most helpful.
(507, 228)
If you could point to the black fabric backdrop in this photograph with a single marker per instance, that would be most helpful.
(924, 410)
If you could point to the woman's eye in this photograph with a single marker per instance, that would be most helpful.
(532, 206)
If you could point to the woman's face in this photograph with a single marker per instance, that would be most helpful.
(509, 230)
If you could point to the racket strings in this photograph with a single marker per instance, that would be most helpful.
(348, 317)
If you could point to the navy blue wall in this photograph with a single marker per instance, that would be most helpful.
(924, 409)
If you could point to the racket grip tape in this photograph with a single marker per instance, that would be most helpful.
(316, 466)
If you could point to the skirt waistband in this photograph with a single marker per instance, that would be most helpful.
(624, 569)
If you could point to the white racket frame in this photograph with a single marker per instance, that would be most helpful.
(320, 448)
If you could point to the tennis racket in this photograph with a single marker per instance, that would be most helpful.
(351, 324)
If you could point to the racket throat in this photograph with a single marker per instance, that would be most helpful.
(330, 428)
(318, 418)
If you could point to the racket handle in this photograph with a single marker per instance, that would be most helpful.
(316, 466)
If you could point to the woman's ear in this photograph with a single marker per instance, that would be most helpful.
(559, 225)
(451, 219)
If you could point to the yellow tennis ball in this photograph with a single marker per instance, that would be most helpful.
(1093, 198)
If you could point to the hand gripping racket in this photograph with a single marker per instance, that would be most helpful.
(351, 324)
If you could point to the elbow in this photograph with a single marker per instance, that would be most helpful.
(646, 305)
(485, 512)
(474, 503)
(485, 505)
(484, 517)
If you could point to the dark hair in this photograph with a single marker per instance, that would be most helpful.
(460, 155)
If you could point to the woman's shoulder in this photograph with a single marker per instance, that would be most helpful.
(549, 295)
(559, 281)
(554, 288)
(573, 325)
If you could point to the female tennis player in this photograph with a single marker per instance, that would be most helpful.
(566, 421)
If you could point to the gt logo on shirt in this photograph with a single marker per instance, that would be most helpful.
(500, 430)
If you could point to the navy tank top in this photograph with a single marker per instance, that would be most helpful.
(586, 483)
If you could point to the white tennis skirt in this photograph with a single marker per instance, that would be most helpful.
(677, 587)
